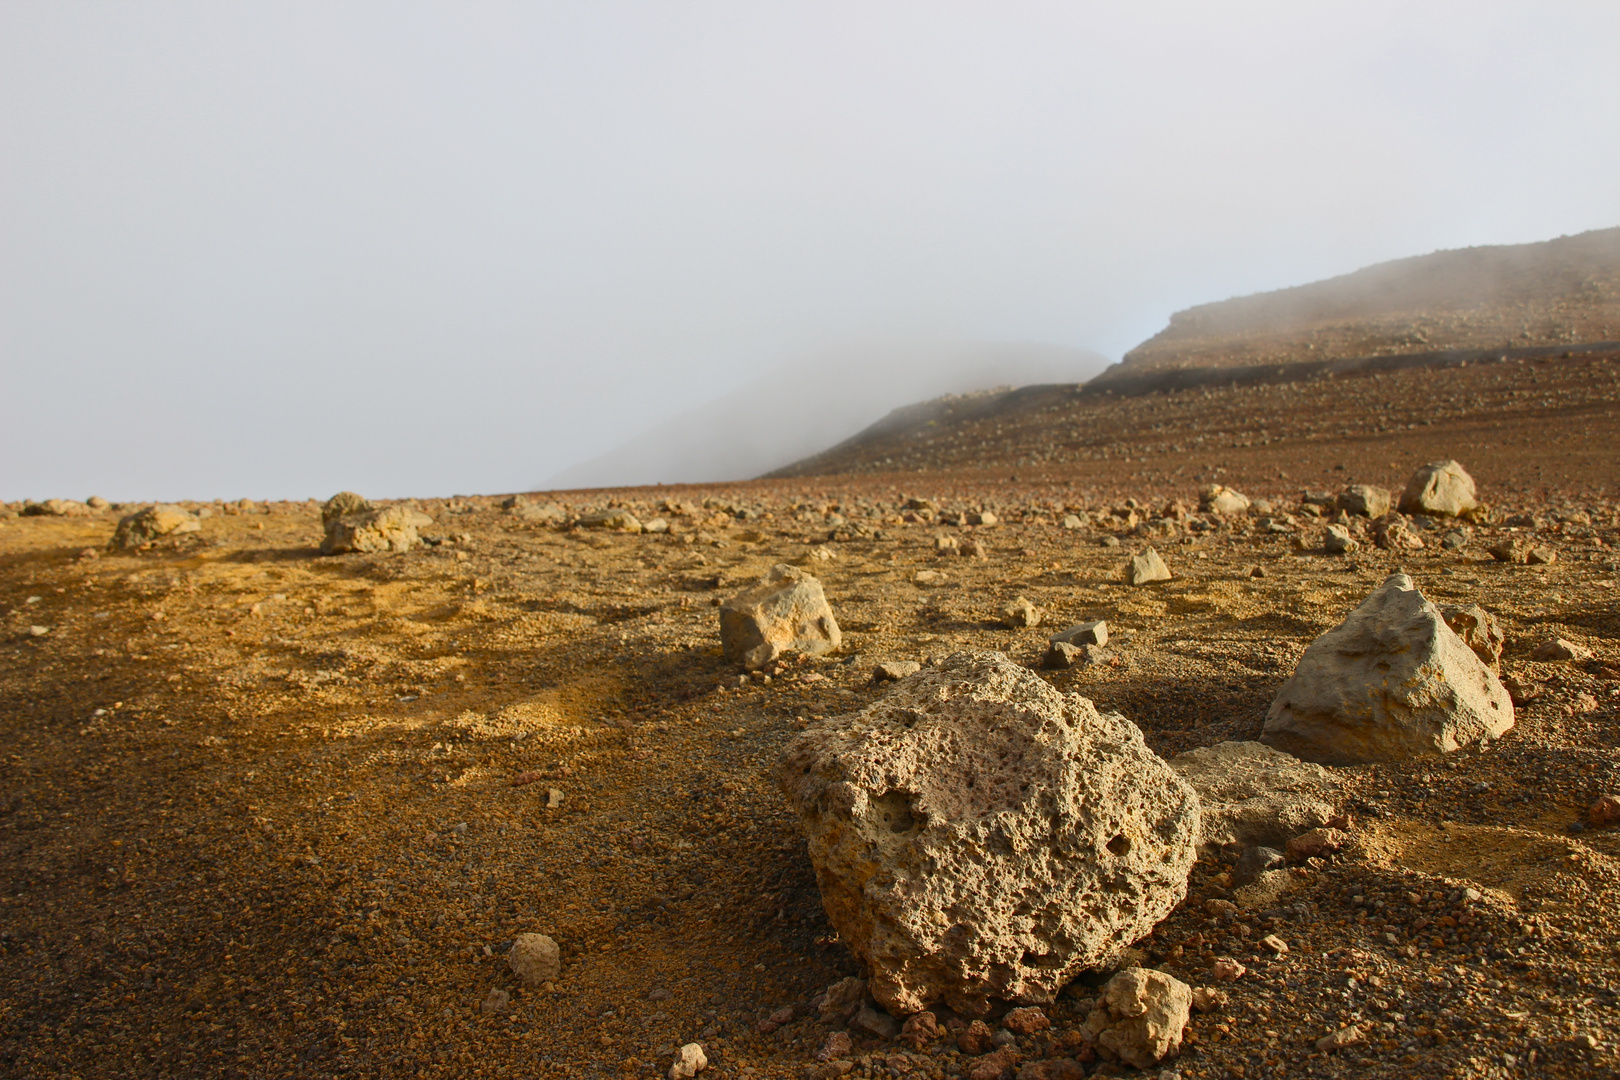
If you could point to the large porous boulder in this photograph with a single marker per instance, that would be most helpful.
(1140, 1017)
(1439, 489)
(1251, 794)
(785, 611)
(392, 528)
(343, 504)
(149, 523)
(1393, 681)
(977, 834)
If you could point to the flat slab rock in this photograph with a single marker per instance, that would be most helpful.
(1391, 682)
(978, 834)
(1251, 794)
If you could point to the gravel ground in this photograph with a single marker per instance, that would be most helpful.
(269, 814)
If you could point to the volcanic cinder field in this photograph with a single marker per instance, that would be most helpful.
(271, 813)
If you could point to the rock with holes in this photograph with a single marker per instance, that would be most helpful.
(1251, 794)
(1140, 1017)
(343, 504)
(785, 611)
(1479, 630)
(392, 528)
(152, 522)
(977, 834)
(1391, 682)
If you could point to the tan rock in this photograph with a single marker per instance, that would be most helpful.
(1561, 649)
(152, 522)
(1249, 793)
(1365, 500)
(1146, 568)
(535, 959)
(1439, 489)
(1216, 499)
(343, 504)
(689, 1061)
(1048, 830)
(785, 611)
(1392, 682)
(613, 519)
(1021, 614)
(1140, 1016)
(392, 528)
(1479, 630)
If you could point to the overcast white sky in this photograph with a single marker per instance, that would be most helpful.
(281, 249)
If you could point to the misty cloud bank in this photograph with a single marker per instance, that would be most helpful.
(279, 250)
(805, 407)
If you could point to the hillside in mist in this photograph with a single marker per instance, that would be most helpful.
(1562, 291)
(803, 408)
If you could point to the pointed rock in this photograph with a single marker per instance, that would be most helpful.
(1439, 489)
(1391, 682)
(785, 611)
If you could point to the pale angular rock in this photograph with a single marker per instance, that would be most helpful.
(1365, 500)
(894, 670)
(152, 522)
(1342, 1038)
(879, 1025)
(1479, 630)
(343, 504)
(842, 1000)
(689, 1061)
(392, 528)
(535, 959)
(785, 611)
(1216, 499)
(1338, 541)
(1048, 832)
(1393, 681)
(1140, 1016)
(616, 519)
(546, 513)
(1561, 649)
(1511, 550)
(1086, 633)
(1146, 568)
(1392, 533)
(1250, 794)
(1439, 489)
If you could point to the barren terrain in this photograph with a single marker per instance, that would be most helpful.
(266, 813)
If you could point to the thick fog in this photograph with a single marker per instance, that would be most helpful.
(281, 249)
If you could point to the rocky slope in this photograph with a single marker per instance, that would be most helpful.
(1557, 292)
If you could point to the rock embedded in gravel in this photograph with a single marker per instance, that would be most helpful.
(1048, 830)
(1558, 649)
(997, 1065)
(920, 1029)
(1512, 550)
(1250, 793)
(152, 522)
(1025, 1021)
(535, 959)
(1317, 843)
(1479, 630)
(1254, 862)
(343, 504)
(1391, 682)
(1338, 541)
(1217, 499)
(372, 531)
(1227, 970)
(1348, 1036)
(1140, 1017)
(1439, 489)
(784, 612)
(836, 1045)
(1020, 614)
(1541, 556)
(976, 1038)
(879, 1025)
(1392, 533)
(1146, 568)
(1365, 500)
(689, 1061)
(894, 670)
(1086, 633)
(613, 519)
(494, 1002)
(842, 1000)
(546, 513)
(1605, 810)
(1053, 1069)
